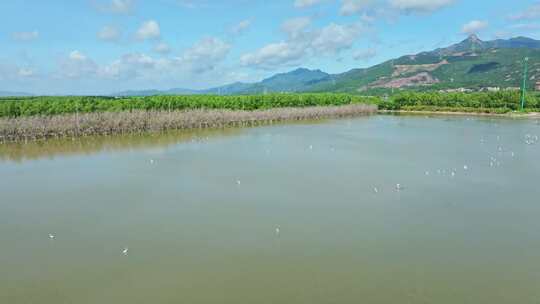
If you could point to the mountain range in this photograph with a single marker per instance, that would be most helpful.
(469, 64)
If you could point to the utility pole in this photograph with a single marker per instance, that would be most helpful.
(524, 85)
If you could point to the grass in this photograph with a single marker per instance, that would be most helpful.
(27, 128)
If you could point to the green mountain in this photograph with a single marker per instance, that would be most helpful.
(469, 64)
(299, 80)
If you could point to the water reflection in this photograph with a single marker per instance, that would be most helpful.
(33, 150)
(20, 152)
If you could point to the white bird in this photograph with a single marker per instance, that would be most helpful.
(375, 189)
(152, 161)
(453, 173)
(238, 182)
(51, 236)
(398, 187)
(125, 251)
(278, 230)
(311, 147)
(427, 173)
(465, 167)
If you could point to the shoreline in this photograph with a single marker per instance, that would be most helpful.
(33, 128)
(532, 115)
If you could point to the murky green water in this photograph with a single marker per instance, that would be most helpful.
(199, 213)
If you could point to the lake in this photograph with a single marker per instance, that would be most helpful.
(379, 209)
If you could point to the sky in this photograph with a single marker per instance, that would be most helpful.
(90, 47)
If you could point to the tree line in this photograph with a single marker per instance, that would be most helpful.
(57, 105)
(490, 102)
(500, 102)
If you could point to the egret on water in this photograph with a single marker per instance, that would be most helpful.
(51, 236)
(278, 230)
(125, 251)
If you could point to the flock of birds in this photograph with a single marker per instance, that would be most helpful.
(493, 162)
(125, 251)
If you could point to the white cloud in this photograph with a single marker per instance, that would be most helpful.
(130, 66)
(241, 27)
(391, 7)
(306, 3)
(473, 27)
(77, 56)
(204, 55)
(301, 43)
(114, 6)
(351, 7)
(122, 6)
(334, 38)
(532, 12)
(109, 33)
(274, 54)
(295, 26)
(25, 36)
(420, 6)
(148, 30)
(365, 55)
(77, 65)
(162, 48)
(25, 72)
(525, 26)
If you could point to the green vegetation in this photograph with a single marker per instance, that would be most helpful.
(481, 102)
(48, 106)
(484, 102)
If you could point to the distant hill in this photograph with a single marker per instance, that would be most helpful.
(13, 94)
(177, 91)
(471, 63)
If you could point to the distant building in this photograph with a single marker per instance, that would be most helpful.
(490, 89)
(458, 90)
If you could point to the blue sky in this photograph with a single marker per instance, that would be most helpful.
(105, 46)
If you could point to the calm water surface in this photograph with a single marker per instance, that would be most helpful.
(200, 213)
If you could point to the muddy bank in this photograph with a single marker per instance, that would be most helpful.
(111, 123)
